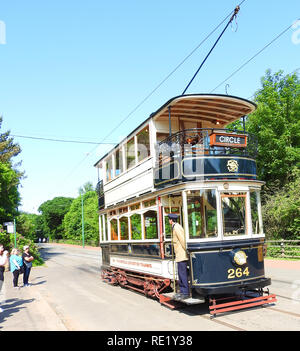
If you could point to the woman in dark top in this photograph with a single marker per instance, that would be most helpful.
(27, 260)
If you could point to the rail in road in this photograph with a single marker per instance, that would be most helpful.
(68, 294)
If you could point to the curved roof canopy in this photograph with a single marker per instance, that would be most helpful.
(213, 108)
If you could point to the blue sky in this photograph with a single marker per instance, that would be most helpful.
(74, 69)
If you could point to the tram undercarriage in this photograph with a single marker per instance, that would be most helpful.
(242, 295)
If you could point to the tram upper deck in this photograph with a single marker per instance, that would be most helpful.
(184, 140)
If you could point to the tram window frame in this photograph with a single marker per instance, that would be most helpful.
(118, 231)
(101, 232)
(109, 169)
(130, 160)
(120, 228)
(119, 162)
(144, 225)
(235, 194)
(143, 149)
(166, 224)
(141, 225)
(256, 192)
(204, 235)
(105, 226)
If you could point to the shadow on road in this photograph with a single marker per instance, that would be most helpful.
(47, 254)
(12, 306)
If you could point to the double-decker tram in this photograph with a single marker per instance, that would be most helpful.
(182, 160)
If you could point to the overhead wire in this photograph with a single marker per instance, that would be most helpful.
(252, 58)
(62, 140)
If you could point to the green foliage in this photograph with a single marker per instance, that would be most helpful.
(276, 123)
(29, 225)
(281, 211)
(73, 219)
(7, 147)
(9, 177)
(52, 214)
(9, 195)
(8, 241)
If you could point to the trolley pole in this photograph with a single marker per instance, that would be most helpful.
(82, 220)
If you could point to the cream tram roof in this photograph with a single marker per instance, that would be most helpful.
(213, 108)
(206, 107)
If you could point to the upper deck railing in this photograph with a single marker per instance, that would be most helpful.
(209, 141)
(205, 154)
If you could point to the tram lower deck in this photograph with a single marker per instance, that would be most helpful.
(224, 240)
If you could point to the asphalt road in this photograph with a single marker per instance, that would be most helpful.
(67, 294)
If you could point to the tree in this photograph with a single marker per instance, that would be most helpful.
(73, 219)
(53, 212)
(28, 225)
(276, 123)
(8, 148)
(281, 211)
(9, 195)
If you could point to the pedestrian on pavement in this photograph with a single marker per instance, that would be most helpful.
(16, 266)
(3, 261)
(181, 256)
(27, 260)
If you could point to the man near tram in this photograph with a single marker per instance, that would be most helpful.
(181, 256)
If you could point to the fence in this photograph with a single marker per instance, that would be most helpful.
(283, 248)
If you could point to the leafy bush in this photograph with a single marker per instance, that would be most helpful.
(8, 241)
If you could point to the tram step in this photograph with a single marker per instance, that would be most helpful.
(188, 301)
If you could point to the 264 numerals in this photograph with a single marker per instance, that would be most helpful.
(238, 272)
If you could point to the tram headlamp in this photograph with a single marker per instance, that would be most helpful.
(240, 258)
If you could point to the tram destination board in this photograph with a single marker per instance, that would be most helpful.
(229, 140)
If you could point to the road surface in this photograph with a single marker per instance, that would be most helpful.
(67, 294)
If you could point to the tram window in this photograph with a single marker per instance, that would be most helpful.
(119, 162)
(135, 207)
(136, 227)
(149, 203)
(256, 224)
(168, 228)
(124, 228)
(105, 227)
(109, 169)
(202, 214)
(130, 153)
(211, 222)
(114, 229)
(150, 222)
(143, 144)
(234, 214)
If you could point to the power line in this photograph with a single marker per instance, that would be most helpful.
(61, 140)
(260, 51)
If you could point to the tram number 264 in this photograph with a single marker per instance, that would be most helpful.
(237, 273)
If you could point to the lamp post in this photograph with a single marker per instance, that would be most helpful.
(82, 220)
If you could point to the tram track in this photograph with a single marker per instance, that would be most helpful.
(225, 324)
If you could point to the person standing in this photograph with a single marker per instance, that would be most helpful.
(27, 260)
(3, 261)
(16, 266)
(181, 256)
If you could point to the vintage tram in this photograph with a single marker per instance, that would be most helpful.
(183, 160)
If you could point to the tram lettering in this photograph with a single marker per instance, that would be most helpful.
(118, 341)
(229, 139)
